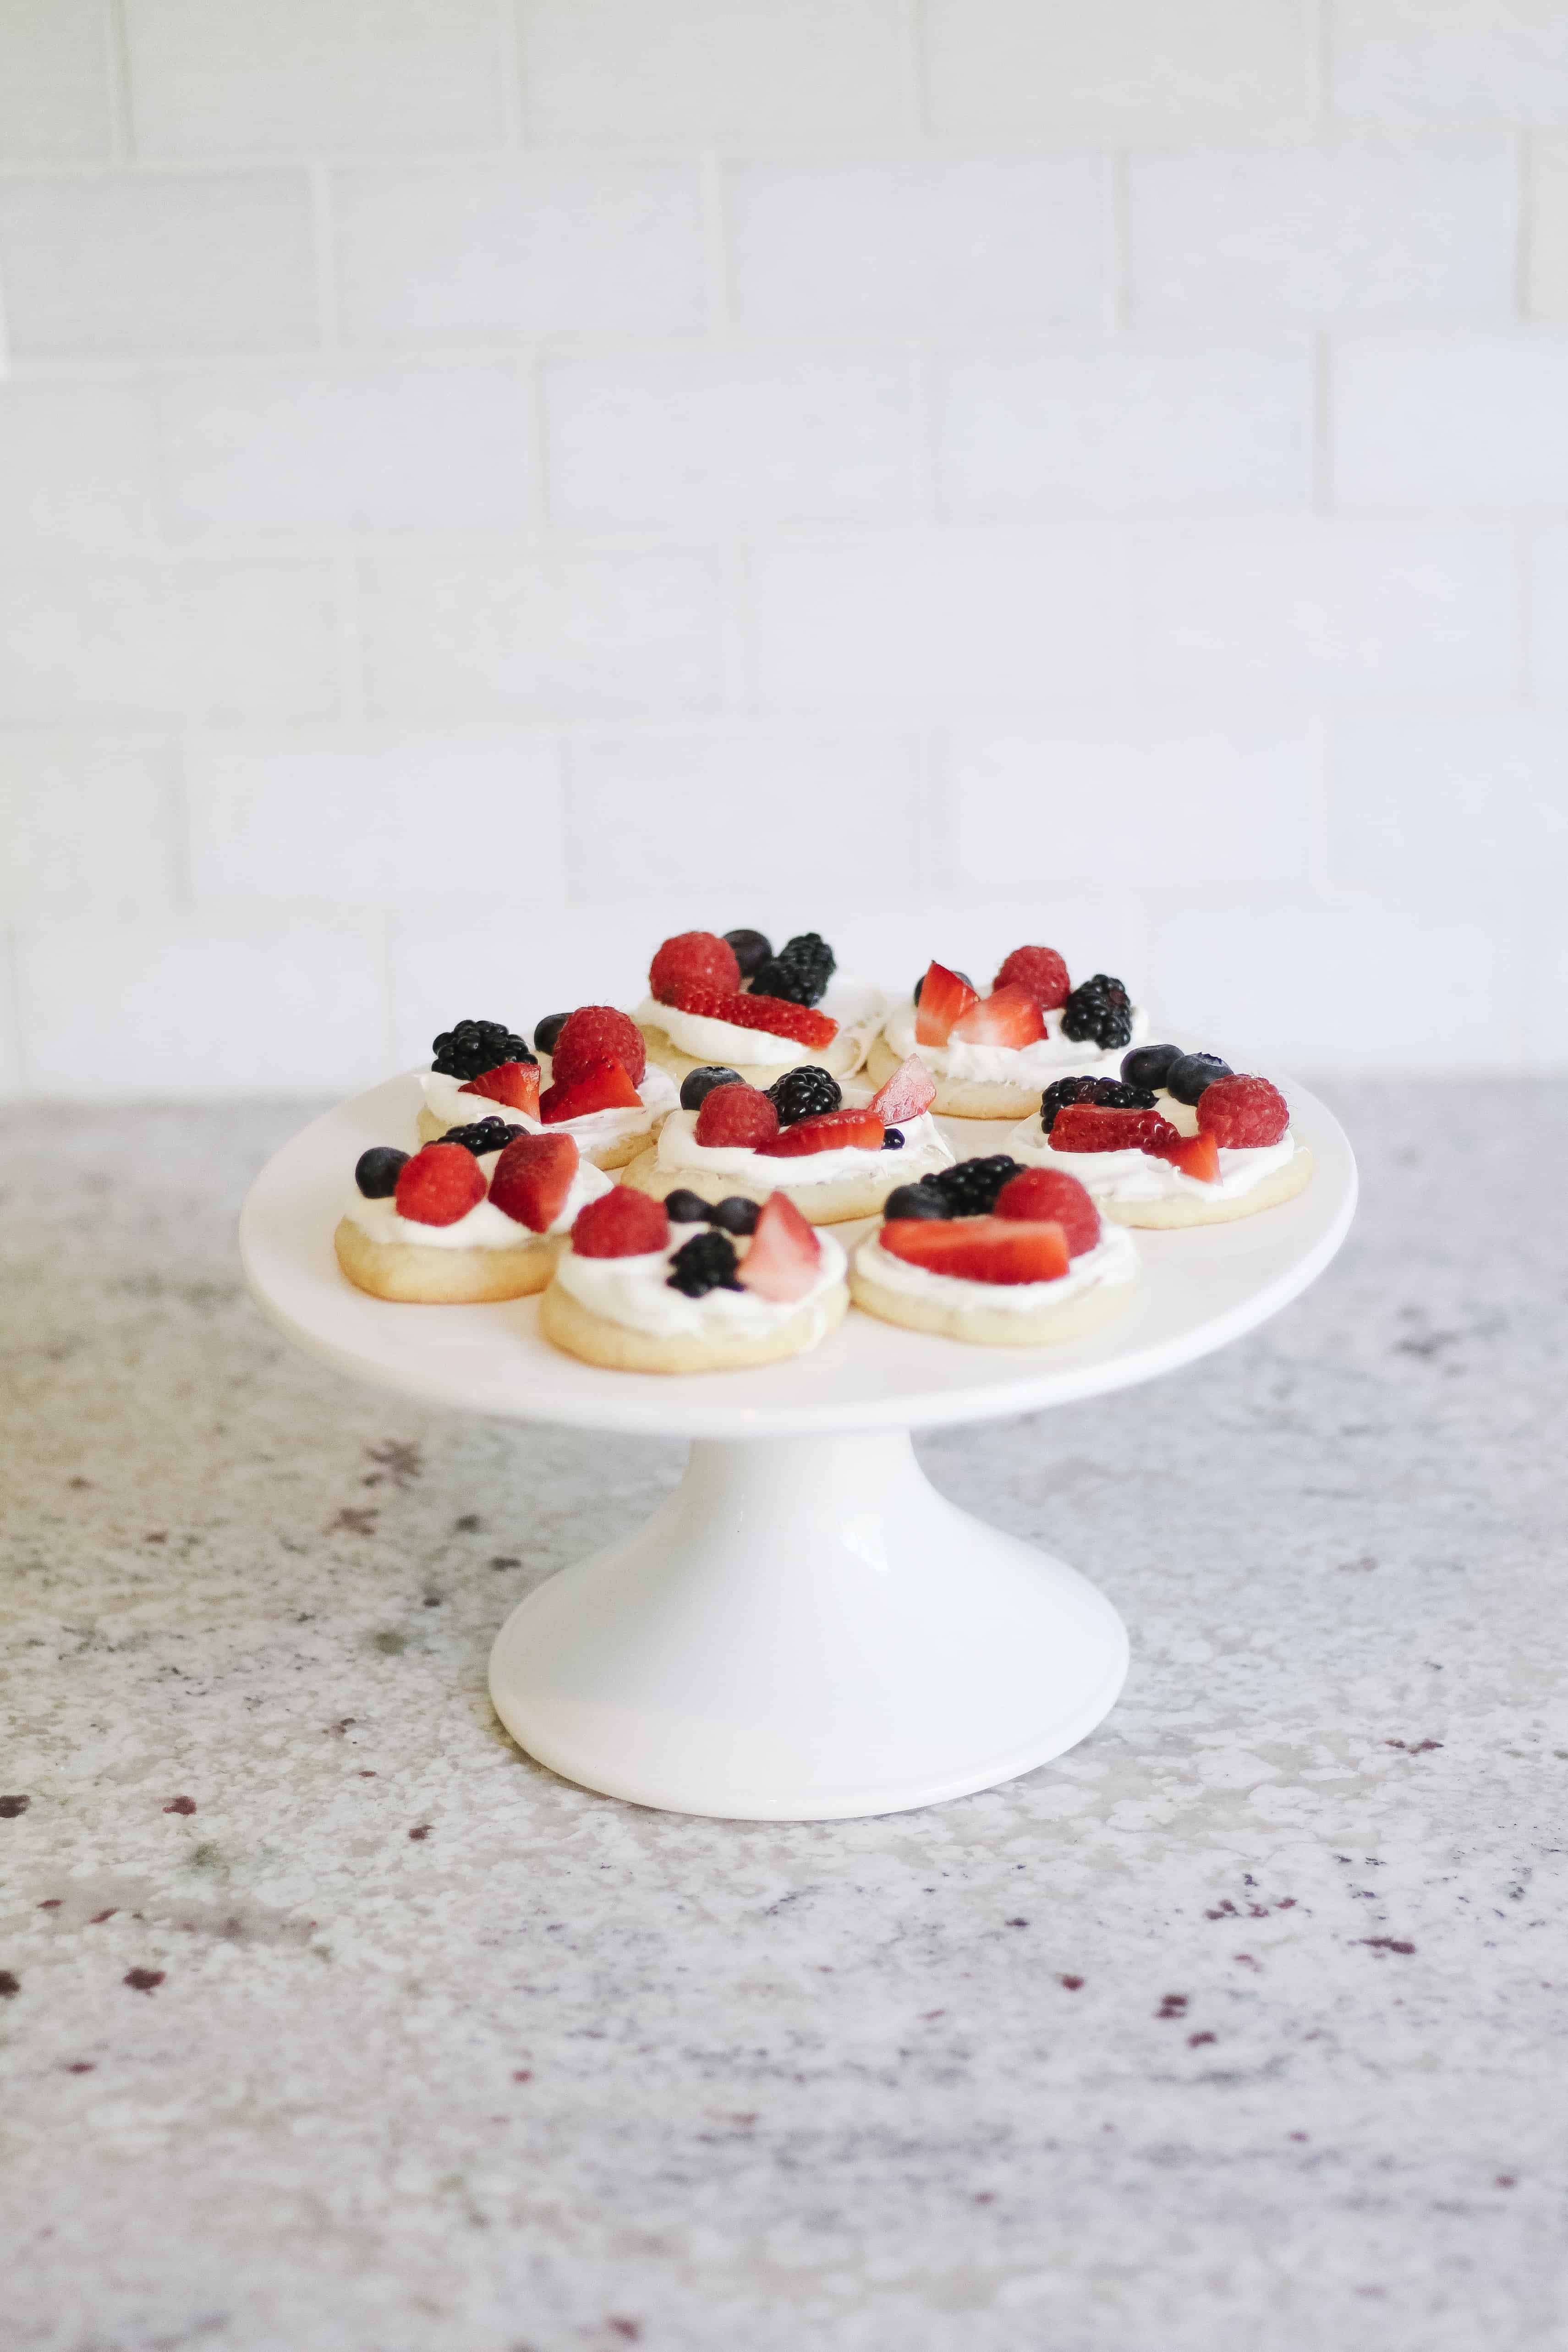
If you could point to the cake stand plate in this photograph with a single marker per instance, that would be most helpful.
(804, 1630)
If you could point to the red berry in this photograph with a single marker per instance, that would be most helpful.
(1008, 1017)
(622, 1224)
(944, 997)
(911, 1090)
(438, 1185)
(597, 1033)
(1039, 970)
(533, 1177)
(694, 959)
(601, 1086)
(1243, 1114)
(827, 1131)
(1050, 1196)
(1085, 1126)
(1194, 1155)
(516, 1084)
(736, 1117)
(979, 1249)
(783, 1261)
(771, 1014)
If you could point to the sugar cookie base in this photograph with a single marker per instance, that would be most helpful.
(442, 1277)
(1086, 1311)
(820, 1204)
(570, 1324)
(1186, 1209)
(840, 1059)
(613, 1154)
(968, 1099)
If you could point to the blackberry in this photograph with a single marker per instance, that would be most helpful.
(970, 1189)
(375, 1171)
(919, 983)
(804, 1093)
(684, 1208)
(1106, 1094)
(698, 1085)
(894, 1140)
(751, 948)
(1191, 1073)
(800, 972)
(1146, 1065)
(706, 1262)
(475, 1046)
(735, 1216)
(547, 1031)
(484, 1136)
(921, 1199)
(1099, 1008)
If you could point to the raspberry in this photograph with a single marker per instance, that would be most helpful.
(438, 1185)
(1039, 970)
(1050, 1196)
(694, 959)
(1242, 1114)
(597, 1033)
(736, 1118)
(771, 1014)
(622, 1224)
(1084, 1127)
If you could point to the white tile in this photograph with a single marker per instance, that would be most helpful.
(1159, 797)
(12, 1080)
(1119, 66)
(365, 820)
(1343, 230)
(972, 929)
(191, 1007)
(1548, 610)
(1546, 230)
(385, 449)
(1432, 61)
(923, 622)
(705, 69)
(158, 262)
(696, 441)
(1123, 427)
(55, 82)
(1478, 420)
(120, 640)
(493, 969)
(1345, 612)
(1423, 796)
(75, 467)
(85, 825)
(223, 77)
(951, 243)
(481, 630)
(482, 250)
(1546, 983)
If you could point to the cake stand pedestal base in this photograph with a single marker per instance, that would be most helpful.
(805, 1630)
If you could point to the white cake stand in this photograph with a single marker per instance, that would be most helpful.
(804, 1630)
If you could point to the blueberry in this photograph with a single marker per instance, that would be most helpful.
(919, 983)
(684, 1208)
(698, 1085)
(376, 1171)
(735, 1216)
(547, 1032)
(1146, 1065)
(894, 1140)
(752, 950)
(914, 1201)
(1189, 1074)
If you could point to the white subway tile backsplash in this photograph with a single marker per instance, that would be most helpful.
(1435, 60)
(1342, 230)
(151, 263)
(941, 244)
(55, 103)
(490, 966)
(1546, 235)
(12, 1081)
(1549, 612)
(1546, 983)
(76, 468)
(1124, 427)
(1442, 796)
(1478, 420)
(223, 77)
(85, 826)
(482, 251)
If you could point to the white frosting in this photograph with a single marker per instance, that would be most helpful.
(1113, 1258)
(1050, 1056)
(635, 1292)
(444, 1096)
(485, 1226)
(857, 1009)
(925, 1147)
(1139, 1176)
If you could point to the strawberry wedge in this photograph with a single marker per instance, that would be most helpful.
(944, 998)
(603, 1085)
(1005, 1250)
(830, 1130)
(1012, 1016)
(1194, 1155)
(783, 1261)
(911, 1090)
(1086, 1127)
(516, 1084)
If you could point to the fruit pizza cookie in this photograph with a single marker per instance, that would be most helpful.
(586, 1075)
(478, 1216)
(733, 1003)
(992, 1055)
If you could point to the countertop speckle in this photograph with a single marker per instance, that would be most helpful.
(330, 2023)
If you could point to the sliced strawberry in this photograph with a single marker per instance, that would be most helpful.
(735, 1118)
(1011, 1018)
(693, 959)
(531, 1178)
(597, 1033)
(796, 1022)
(603, 1085)
(516, 1084)
(785, 1255)
(979, 1249)
(1050, 1196)
(1194, 1155)
(622, 1224)
(1039, 970)
(438, 1185)
(911, 1090)
(944, 998)
(828, 1130)
(1085, 1126)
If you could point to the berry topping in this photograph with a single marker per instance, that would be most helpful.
(476, 1045)
(1149, 1065)
(834, 1130)
(547, 1031)
(532, 1178)
(516, 1084)
(601, 1086)
(1039, 970)
(1085, 1126)
(376, 1171)
(921, 1199)
(706, 1262)
(751, 949)
(438, 1185)
(1010, 1017)
(693, 959)
(1098, 1009)
(785, 1255)
(894, 1140)
(484, 1136)
(597, 1033)
(980, 1249)
(1050, 1196)
(1243, 1114)
(1110, 1094)
(734, 1214)
(735, 1118)
(799, 972)
(911, 1090)
(769, 1013)
(622, 1224)
(805, 1092)
(684, 1208)
(970, 1189)
(1194, 1155)
(944, 996)
(1190, 1074)
(698, 1085)
(919, 989)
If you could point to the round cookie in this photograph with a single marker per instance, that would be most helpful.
(442, 1277)
(1085, 1311)
(840, 1058)
(595, 1339)
(616, 1153)
(820, 1204)
(1186, 1209)
(970, 1098)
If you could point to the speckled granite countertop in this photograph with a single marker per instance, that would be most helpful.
(332, 2024)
